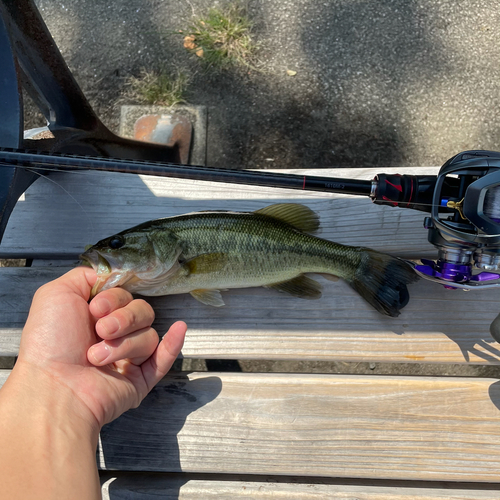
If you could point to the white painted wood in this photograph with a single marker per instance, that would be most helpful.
(62, 213)
(181, 487)
(406, 428)
(438, 325)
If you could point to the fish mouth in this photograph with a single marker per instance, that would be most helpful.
(103, 268)
(88, 259)
(109, 272)
(95, 260)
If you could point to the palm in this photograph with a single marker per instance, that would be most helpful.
(57, 337)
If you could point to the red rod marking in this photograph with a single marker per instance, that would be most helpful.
(304, 183)
(389, 200)
(399, 188)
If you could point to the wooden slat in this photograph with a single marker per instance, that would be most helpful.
(152, 487)
(438, 325)
(62, 214)
(445, 429)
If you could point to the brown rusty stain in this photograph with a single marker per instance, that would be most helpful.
(144, 126)
(172, 130)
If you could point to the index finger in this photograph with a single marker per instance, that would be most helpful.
(108, 301)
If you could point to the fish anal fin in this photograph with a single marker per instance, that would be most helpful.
(299, 216)
(301, 286)
(329, 277)
(208, 297)
(206, 263)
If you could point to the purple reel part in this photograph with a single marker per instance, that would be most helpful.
(454, 273)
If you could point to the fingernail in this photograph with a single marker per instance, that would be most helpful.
(100, 352)
(110, 325)
(103, 306)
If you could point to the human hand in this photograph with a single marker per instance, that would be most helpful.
(105, 352)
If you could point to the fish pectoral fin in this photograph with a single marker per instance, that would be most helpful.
(208, 297)
(299, 216)
(206, 263)
(301, 286)
(329, 277)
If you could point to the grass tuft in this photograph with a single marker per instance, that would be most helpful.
(157, 87)
(222, 38)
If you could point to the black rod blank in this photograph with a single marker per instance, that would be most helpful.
(57, 161)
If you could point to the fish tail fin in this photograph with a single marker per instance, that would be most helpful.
(381, 280)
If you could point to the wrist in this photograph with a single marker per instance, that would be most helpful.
(31, 393)
(48, 443)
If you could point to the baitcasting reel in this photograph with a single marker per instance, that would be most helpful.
(464, 222)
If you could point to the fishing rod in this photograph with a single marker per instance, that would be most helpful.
(463, 202)
(410, 191)
(57, 161)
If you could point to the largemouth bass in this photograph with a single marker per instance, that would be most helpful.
(205, 252)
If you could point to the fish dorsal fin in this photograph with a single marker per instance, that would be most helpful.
(299, 216)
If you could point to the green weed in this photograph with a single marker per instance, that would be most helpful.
(157, 87)
(222, 38)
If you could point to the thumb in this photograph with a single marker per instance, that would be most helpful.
(79, 281)
(160, 362)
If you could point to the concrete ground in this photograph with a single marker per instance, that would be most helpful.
(378, 83)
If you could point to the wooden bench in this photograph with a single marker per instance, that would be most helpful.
(210, 435)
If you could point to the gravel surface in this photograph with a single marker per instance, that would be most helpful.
(381, 83)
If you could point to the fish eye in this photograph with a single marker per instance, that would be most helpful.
(116, 242)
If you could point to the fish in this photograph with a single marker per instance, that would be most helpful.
(204, 253)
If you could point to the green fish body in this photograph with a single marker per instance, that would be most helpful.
(206, 252)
